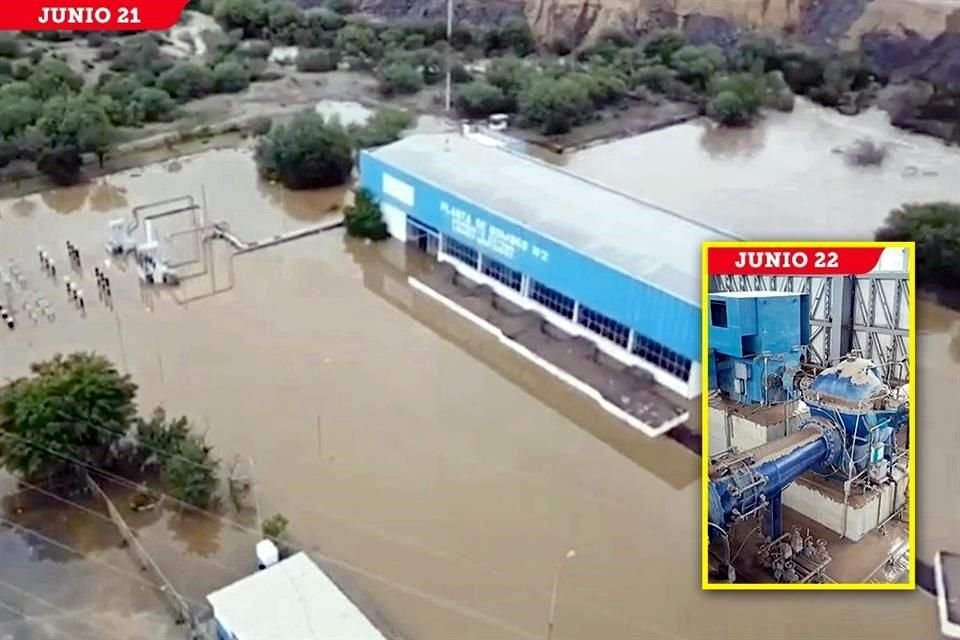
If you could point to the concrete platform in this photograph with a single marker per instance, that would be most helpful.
(822, 501)
(743, 428)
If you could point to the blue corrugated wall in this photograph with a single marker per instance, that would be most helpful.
(648, 310)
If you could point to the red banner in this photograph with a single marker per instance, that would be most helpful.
(776, 260)
(90, 15)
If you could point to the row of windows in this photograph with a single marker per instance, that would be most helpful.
(552, 299)
(661, 356)
(464, 253)
(605, 327)
(650, 350)
(499, 271)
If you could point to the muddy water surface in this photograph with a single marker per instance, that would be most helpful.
(443, 478)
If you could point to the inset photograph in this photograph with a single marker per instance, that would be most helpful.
(808, 476)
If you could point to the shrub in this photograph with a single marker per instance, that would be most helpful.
(400, 78)
(307, 152)
(9, 46)
(230, 77)
(554, 105)
(261, 125)
(479, 99)
(736, 98)
(364, 219)
(61, 165)
(317, 60)
(382, 128)
(935, 227)
(186, 81)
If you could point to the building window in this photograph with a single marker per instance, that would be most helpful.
(465, 254)
(662, 357)
(503, 273)
(604, 327)
(552, 299)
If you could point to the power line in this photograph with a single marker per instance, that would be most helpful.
(466, 611)
(77, 552)
(59, 610)
(96, 514)
(314, 552)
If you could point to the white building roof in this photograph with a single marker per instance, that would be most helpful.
(649, 243)
(293, 600)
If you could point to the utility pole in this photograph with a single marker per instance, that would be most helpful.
(449, 50)
(553, 593)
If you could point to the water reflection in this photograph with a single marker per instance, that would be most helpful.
(307, 205)
(726, 142)
(105, 196)
(199, 533)
(66, 199)
(23, 207)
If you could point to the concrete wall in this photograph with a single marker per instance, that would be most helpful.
(651, 312)
(729, 429)
(830, 511)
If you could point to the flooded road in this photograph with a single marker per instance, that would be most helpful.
(431, 470)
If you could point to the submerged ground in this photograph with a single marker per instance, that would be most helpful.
(436, 474)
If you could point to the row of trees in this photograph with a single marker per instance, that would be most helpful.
(49, 117)
(730, 86)
(77, 413)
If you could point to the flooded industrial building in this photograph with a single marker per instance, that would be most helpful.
(441, 477)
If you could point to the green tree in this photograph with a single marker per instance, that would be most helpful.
(230, 77)
(359, 41)
(479, 99)
(307, 152)
(317, 60)
(400, 78)
(382, 128)
(191, 474)
(78, 121)
(9, 46)
(53, 77)
(655, 77)
(510, 74)
(155, 104)
(736, 98)
(696, 65)
(513, 36)
(77, 406)
(365, 219)
(663, 44)
(17, 113)
(935, 227)
(62, 165)
(284, 22)
(554, 105)
(249, 16)
(186, 81)
(141, 54)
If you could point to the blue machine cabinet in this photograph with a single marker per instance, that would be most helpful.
(756, 341)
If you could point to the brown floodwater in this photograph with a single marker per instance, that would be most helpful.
(781, 179)
(442, 476)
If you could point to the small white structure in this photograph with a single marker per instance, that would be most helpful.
(119, 241)
(293, 600)
(267, 554)
(498, 122)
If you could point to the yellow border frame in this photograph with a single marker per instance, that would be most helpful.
(705, 426)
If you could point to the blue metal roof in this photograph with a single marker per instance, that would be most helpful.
(646, 242)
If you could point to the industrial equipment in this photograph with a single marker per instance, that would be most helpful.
(850, 436)
(756, 342)
(119, 240)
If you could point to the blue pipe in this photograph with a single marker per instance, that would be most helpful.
(748, 487)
